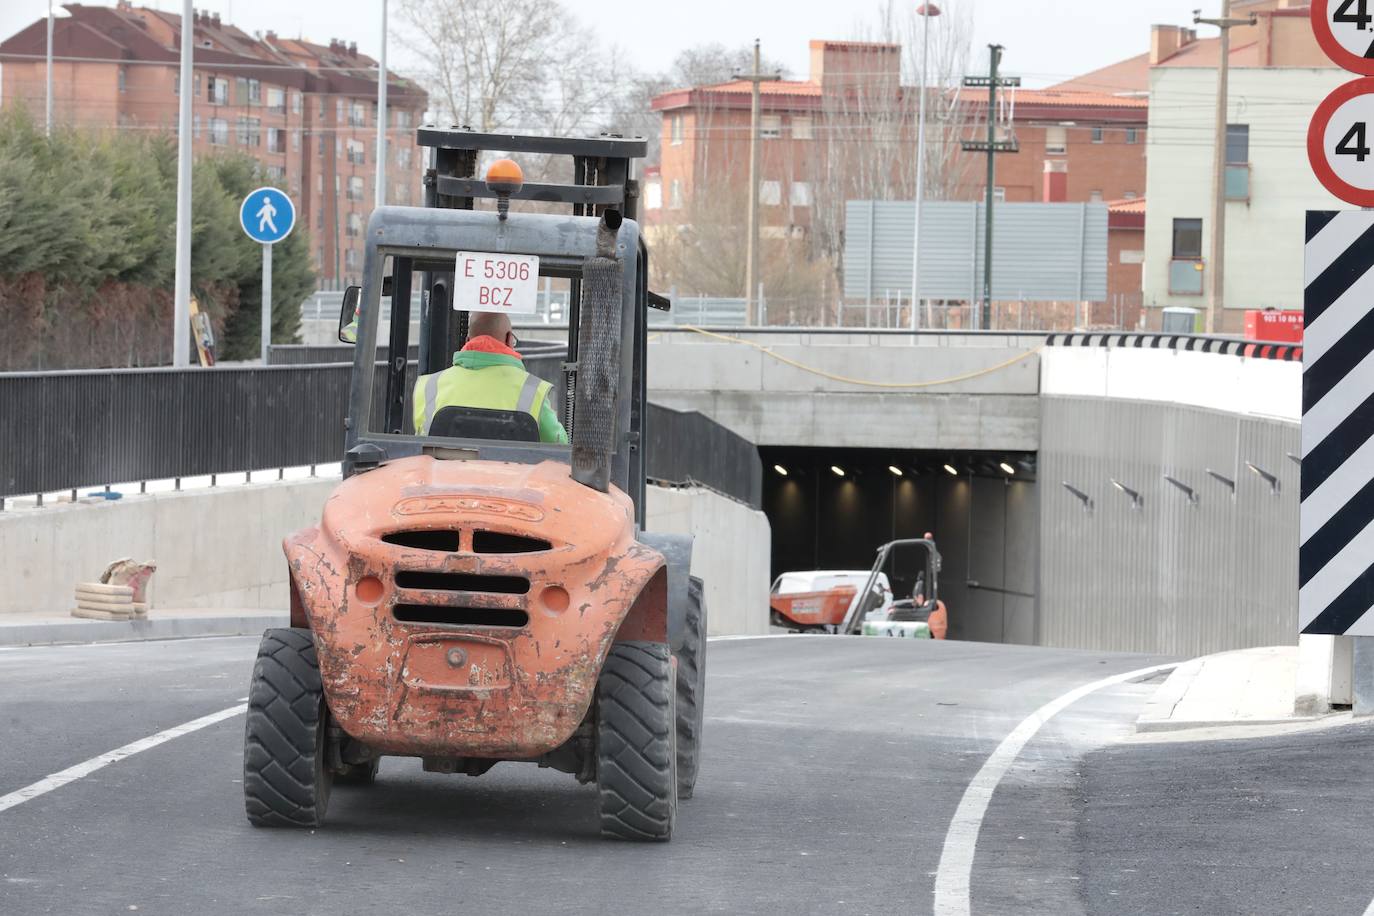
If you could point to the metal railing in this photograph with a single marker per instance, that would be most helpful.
(72, 430)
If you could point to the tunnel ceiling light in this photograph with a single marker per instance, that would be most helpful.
(837, 470)
(896, 471)
(782, 471)
(1008, 468)
(951, 470)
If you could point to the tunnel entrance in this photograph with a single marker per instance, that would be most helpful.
(833, 508)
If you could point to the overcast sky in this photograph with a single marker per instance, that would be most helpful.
(1046, 40)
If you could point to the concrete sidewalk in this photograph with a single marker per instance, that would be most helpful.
(1245, 687)
(185, 623)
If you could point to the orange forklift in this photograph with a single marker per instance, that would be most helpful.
(472, 595)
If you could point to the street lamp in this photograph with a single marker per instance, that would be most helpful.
(926, 11)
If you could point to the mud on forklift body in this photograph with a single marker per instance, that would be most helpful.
(479, 596)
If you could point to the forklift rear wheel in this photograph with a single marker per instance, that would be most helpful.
(691, 689)
(285, 780)
(636, 737)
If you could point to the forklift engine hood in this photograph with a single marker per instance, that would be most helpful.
(465, 608)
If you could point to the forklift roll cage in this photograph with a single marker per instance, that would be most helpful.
(422, 242)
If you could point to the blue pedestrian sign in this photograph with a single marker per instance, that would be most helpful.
(267, 215)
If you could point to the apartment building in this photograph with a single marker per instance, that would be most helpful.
(307, 112)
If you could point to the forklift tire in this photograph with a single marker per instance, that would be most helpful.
(636, 734)
(691, 689)
(285, 778)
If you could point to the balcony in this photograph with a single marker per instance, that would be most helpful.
(1186, 276)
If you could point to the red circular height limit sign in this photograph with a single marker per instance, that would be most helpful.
(1339, 142)
(1345, 31)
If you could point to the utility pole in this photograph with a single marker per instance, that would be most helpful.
(47, 129)
(181, 308)
(1216, 272)
(992, 146)
(751, 271)
(925, 11)
(381, 117)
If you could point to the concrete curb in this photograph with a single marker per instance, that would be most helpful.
(78, 632)
(1145, 726)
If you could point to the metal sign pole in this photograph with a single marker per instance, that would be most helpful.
(181, 308)
(266, 301)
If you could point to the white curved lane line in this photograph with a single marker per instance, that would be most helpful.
(85, 768)
(955, 872)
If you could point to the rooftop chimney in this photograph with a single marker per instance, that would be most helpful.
(1168, 40)
(214, 19)
(352, 49)
(271, 35)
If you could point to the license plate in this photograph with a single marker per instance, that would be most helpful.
(487, 282)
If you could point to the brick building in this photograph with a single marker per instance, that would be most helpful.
(307, 112)
(848, 131)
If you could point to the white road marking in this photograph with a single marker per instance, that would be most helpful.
(86, 768)
(955, 872)
(1369, 910)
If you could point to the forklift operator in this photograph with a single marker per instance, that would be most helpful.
(488, 373)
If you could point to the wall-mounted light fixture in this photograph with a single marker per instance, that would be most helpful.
(1224, 479)
(1084, 498)
(837, 470)
(949, 468)
(1271, 479)
(1136, 501)
(1296, 459)
(896, 471)
(1007, 468)
(1187, 490)
(782, 471)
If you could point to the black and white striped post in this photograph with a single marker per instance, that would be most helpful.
(1336, 556)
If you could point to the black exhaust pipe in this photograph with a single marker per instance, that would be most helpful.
(598, 358)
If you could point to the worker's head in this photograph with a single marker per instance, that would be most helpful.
(491, 324)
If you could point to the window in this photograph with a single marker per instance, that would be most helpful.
(357, 115)
(276, 140)
(197, 83)
(176, 83)
(675, 195)
(355, 226)
(770, 193)
(1130, 195)
(319, 215)
(195, 125)
(338, 111)
(1093, 197)
(241, 91)
(1056, 140)
(295, 103)
(296, 140)
(1132, 135)
(254, 92)
(351, 258)
(219, 131)
(675, 130)
(355, 188)
(1237, 144)
(802, 129)
(403, 118)
(1187, 238)
(123, 79)
(403, 154)
(250, 131)
(999, 195)
(276, 173)
(319, 183)
(357, 153)
(276, 100)
(800, 194)
(770, 126)
(653, 195)
(1097, 135)
(217, 89)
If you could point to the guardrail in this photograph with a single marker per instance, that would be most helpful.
(72, 430)
(315, 354)
(1202, 343)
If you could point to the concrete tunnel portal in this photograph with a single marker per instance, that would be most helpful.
(832, 508)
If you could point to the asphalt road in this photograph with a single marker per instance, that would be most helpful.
(831, 771)
(1282, 824)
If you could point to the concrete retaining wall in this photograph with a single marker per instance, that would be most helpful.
(731, 554)
(221, 547)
